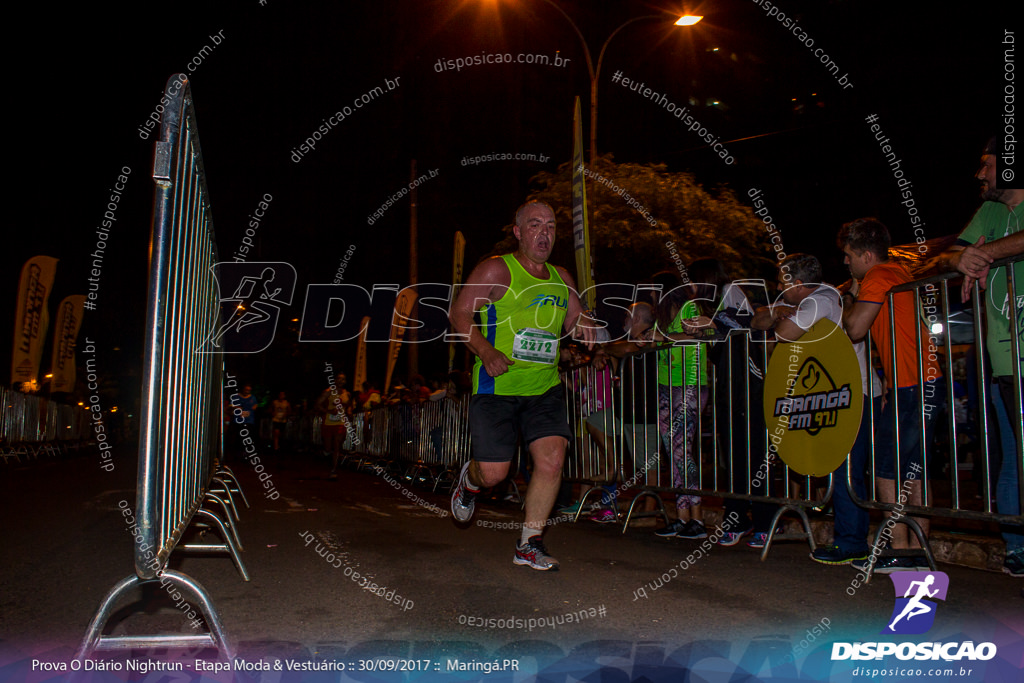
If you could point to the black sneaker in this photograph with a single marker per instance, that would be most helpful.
(861, 565)
(832, 555)
(463, 499)
(1014, 565)
(888, 565)
(693, 530)
(671, 530)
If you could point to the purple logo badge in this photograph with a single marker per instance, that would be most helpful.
(915, 607)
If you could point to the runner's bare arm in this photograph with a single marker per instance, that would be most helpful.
(486, 284)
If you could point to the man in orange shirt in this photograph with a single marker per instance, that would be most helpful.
(865, 242)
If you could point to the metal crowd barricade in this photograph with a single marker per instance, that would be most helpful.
(638, 454)
(182, 401)
(732, 449)
(32, 425)
(947, 494)
(424, 442)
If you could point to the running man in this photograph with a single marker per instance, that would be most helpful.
(526, 306)
(914, 607)
(249, 309)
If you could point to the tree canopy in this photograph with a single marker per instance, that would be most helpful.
(635, 210)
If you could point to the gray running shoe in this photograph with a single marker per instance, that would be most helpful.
(534, 554)
(463, 499)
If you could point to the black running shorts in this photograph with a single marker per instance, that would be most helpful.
(496, 421)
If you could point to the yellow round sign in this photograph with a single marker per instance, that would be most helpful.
(813, 400)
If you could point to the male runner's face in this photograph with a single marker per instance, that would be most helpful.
(537, 236)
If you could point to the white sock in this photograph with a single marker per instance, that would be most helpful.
(470, 486)
(528, 533)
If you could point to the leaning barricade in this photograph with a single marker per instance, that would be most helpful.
(180, 435)
(966, 475)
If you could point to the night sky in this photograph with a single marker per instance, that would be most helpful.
(81, 83)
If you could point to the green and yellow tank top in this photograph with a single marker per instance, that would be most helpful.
(525, 324)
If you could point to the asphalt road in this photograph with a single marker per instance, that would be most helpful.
(449, 592)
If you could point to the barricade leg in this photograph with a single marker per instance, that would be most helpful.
(447, 476)
(783, 509)
(225, 489)
(579, 510)
(515, 491)
(913, 525)
(95, 640)
(227, 547)
(645, 493)
(225, 473)
(227, 517)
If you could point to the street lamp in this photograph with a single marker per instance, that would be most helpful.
(686, 20)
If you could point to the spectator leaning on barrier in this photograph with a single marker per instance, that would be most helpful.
(682, 397)
(993, 233)
(739, 394)
(865, 243)
(637, 425)
(808, 300)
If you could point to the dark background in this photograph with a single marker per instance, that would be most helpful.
(82, 80)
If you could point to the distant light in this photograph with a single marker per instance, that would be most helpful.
(936, 328)
(688, 20)
(47, 376)
(714, 49)
(114, 409)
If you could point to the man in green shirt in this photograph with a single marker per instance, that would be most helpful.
(996, 232)
(526, 307)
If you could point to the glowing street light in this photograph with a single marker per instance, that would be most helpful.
(685, 20)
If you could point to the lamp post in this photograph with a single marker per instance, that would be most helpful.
(595, 72)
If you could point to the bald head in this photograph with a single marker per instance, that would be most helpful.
(523, 212)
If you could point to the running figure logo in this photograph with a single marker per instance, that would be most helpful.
(248, 316)
(914, 612)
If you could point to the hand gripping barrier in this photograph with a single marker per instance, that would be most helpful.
(626, 423)
(182, 402)
(958, 481)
